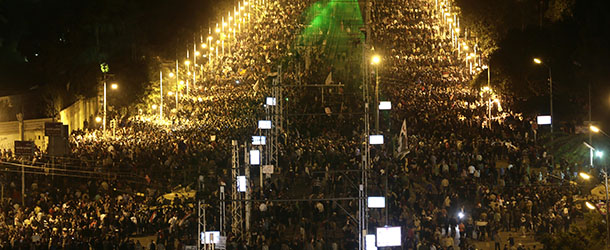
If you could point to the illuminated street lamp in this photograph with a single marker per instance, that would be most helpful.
(540, 62)
(600, 154)
(376, 60)
(113, 86)
(596, 129)
(584, 175)
(537, 61)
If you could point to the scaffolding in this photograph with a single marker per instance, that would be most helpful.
(276, 115)
(237, 219)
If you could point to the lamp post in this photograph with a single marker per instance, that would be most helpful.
(538, 61)
(177, 85)
(187, 63)
(161, 94)
(600, 154)
(375, 60)
(489, 88)
(113, 86)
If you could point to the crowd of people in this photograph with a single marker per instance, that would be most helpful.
(461, 175)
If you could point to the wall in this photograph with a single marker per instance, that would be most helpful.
(76, 114)
(33, 131)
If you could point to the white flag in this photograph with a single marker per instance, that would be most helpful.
(403, 140)
(329, 78)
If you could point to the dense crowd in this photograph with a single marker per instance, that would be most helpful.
(460, 177)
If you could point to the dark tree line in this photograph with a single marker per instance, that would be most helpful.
(572, 37)
(57, 46)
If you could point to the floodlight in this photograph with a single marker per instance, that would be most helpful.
(270, 101)
(255, 157)
(242, 184)
(461, 215)
(259, 140)
(543, 120)
(264, 124)
(385, 105)
(370, 242)
(376, 202)
(388, 237)
(599, 154)
(375, 139)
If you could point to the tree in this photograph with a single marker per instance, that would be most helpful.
(591, 235)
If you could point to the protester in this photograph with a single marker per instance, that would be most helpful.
(445, 188)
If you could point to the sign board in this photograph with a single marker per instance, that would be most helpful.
(370, 242)
(376, 202)
(270, 101)
(52, 128)
(264, 124)
(385, 105)
(543, 120)
(267, 169)
(222, 244)
(242, 183)
(24, 147)
(376, 139)
(388, 237)
(255, 157)
(259, 140)
(210, 237)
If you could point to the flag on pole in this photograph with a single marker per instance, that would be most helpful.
(403, 140)
(329, 78)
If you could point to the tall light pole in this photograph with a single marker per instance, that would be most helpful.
(489, 99)
(104, 118)
(113, 86)
(538, 61)
(161, 94)
(375, 60)
(590, 134)
(600, 154)
(177, 85)
(187, 63)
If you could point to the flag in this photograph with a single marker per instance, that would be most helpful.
(403, 141)
(152, 217)
(329, 78)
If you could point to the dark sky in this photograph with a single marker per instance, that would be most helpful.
(45, 39)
